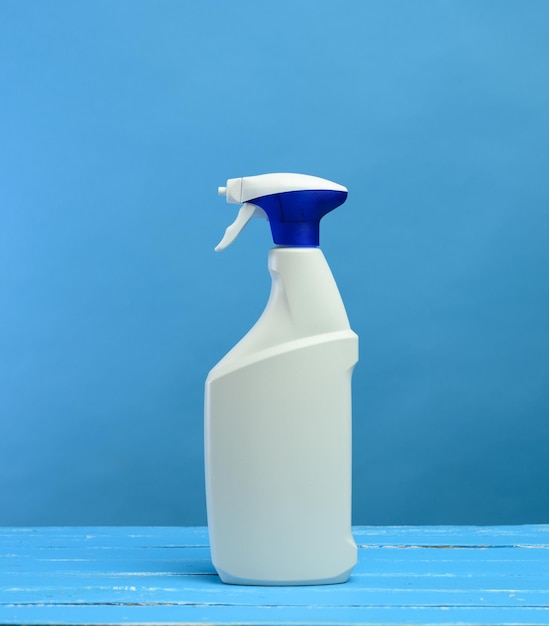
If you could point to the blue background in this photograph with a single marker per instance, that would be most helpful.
(118, 120)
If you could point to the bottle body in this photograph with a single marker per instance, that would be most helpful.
(278, 435)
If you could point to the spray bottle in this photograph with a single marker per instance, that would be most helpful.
(278, 405)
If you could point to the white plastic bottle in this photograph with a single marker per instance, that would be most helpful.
(278, 405)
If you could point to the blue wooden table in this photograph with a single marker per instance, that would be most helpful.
(405, 575)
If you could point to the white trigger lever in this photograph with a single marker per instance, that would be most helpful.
(247, 211)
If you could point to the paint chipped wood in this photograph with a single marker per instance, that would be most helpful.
(405, 575)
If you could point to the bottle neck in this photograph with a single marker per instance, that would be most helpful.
(303, 285)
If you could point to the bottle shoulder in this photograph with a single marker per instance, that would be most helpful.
(317, 351)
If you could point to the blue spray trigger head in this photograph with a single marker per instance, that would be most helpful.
(294, 204)
(294, 216)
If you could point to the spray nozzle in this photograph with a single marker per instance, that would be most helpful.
(294, 204)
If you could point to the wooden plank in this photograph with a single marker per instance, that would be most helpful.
(113, 592)
(275, 615)
(454, 536)
(104, 537)
(116, 536)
